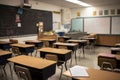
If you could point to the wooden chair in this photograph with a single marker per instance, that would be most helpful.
(13, 40)
(106, 61)
(55, 58)
(22, 73)
(16, 51)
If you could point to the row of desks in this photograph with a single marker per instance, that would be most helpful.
(39, 68)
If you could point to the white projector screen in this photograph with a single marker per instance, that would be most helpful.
(97, 25)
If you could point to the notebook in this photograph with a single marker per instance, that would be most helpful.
(79, 71)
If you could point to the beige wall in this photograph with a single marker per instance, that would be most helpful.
(88, 12)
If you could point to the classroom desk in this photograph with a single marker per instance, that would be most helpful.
(24, 48)
(38, 44)
(81, 43)
(4, 55)
(39, 68)
(91, 40)
(115, 50)
(63, 54)
(70, 46)
(63, 38)
(45, 40)
(95, 74)
(117, 45)
(5, 45)
(118, 60)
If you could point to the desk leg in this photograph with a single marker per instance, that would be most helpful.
(75, 56)
(66, 65)
(83, 51)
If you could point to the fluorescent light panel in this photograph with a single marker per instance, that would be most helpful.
(79, 3)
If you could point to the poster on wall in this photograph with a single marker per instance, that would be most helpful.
(101, 12)
(112, 11)
(118, 11)
(94, 13)
(106, 12)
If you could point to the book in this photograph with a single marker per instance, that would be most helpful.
(79, 71)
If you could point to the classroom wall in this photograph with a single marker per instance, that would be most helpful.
(88, 12)
(40, 6)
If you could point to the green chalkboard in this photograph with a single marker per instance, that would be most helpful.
(77, 24)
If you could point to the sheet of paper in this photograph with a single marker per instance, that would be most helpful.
(79, 71)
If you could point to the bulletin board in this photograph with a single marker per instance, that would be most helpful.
(97, 25)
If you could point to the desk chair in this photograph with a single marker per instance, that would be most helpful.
(106, 61)
(55, 58)
(51, 43)
(13, 40)
(22, 73)
(3, 63)
(16, 51)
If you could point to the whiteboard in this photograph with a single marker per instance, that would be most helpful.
(97, 25)
(115, 25)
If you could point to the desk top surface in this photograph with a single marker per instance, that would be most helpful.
(95, 74)
(118, 44)
(73, 40)
(54, 50)
(43, 39)
(33, 41)
(117, 56)
(66, 44)
(89, 38)
(4, 42)
(2, 52)
(22, 45)
(33, 62)
(64, 37)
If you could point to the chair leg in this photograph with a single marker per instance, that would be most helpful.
(10, 66)
(36, 53)
(61, 72)
(106, 63)
(5, 72)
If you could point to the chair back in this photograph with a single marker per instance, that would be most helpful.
(22, 73)
(13, 40)
(16, 51)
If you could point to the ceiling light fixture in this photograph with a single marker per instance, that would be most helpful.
(79, 3)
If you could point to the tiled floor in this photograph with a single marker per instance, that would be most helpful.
(90, 60)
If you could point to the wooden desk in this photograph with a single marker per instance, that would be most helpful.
(39, 68)
(63, 55)
(38, 44)
(115, 50)
(47, 41)
(4, 55)
(24, 48)
(91, 40)
(70, 46)
(63, 38)
(5, 45)
(81, 43)
(96, 75)
(117, 45)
